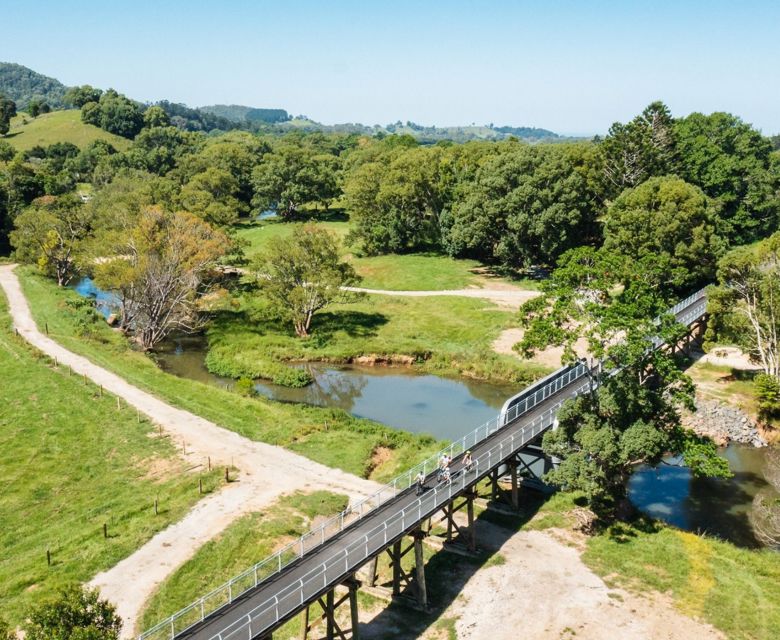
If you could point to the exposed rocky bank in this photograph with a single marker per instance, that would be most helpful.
(723, 423)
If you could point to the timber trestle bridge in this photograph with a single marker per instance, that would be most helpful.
(308, 571)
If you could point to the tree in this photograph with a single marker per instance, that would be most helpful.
(732, 163)
(526, 205)
(640, 149)
(634, 417)
(292, 176)
(7, 151)
(155, 116)
(211, 195)
(160, 268)
(34, 108)
(51, 234)
(114, 113)
(75, 613)
(303, 273)
(671, 220)
(396, 201)
(745, 306)
(7, 111)
(79, 96)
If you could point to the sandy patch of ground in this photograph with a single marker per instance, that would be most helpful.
(545, 591)
(550, 357)
(265, 473)
(732, 357)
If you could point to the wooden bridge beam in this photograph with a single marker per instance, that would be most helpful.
(329, 605)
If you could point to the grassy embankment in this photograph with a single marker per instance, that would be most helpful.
(329, 436)
(448, 336)
(58, 126)
(244, 543)
(736, 590)
(73, 462)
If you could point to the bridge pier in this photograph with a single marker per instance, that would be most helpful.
(329, 605)
(450, 509)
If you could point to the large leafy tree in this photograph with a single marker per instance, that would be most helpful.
(212, 195)
(160, 268)
(51, 234)
(74, 613)
(79, 96)
(526, 205)
(745, 306)
(671, 221)
(397, 200)
(115, 113)
(292, 176)
(634, 417)
(731, 162)
(303, 273)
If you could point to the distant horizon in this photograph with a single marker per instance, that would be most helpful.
(567, 67)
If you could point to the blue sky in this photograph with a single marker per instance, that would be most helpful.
(573, 67)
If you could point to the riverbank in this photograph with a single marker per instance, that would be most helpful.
(329, 436)
(447, 336)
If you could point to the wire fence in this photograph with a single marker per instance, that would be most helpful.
(530, 398)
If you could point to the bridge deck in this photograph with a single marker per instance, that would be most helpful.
(264, 608)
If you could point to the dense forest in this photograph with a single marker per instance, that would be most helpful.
(684, 189)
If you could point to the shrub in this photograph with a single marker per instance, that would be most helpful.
(768, 392)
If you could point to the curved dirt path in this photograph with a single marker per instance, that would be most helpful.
(509, 297)
(265, 472)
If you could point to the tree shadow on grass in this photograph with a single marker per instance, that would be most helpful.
(447, 573)
(356, 324)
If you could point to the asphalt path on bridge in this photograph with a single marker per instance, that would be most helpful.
(433, 500)
(299, 584)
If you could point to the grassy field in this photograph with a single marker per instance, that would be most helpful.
(736, 590)
(330, 436)
(412, 272)
(71, 463)
(244, 543)
(58, 126)
(444, 335)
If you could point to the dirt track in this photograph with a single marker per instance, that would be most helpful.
(265, 472)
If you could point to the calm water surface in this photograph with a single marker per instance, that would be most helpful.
(709, 505)
(394, 396)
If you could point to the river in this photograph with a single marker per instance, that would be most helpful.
(447, 409)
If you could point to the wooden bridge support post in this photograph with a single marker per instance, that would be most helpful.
(329, 605)
(419, 566)
(472, 535)
(369, 572)
(397, 570)
(515, 489)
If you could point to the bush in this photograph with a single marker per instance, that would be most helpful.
(76, 613)
(768, 392)
(245, 387)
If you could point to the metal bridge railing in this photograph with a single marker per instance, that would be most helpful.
(347, 559)
(240, 584)
(226, 593)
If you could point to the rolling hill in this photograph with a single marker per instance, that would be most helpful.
(58, 126)
(22, 85)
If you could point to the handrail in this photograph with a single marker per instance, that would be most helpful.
(226, 593)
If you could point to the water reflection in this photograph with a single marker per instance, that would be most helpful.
(106, 303)
(397, 397)
(713, 506)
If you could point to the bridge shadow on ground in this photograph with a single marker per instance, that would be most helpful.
(446, 573)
